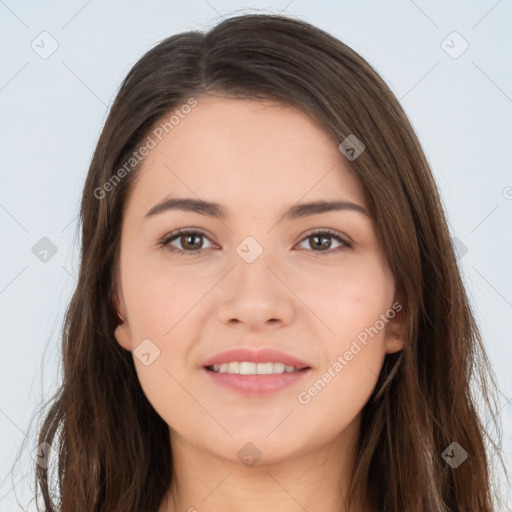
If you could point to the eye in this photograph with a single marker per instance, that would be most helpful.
(189, 240)
(322, 239)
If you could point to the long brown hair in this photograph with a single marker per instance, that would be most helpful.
(113, 448)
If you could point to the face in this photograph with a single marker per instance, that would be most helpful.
(252, 274)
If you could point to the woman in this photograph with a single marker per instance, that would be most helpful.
(220, 353)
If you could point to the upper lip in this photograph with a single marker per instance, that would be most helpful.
(264, 355)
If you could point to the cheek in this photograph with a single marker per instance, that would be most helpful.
(355, 312)
(350, 298)
(158, 298)
(162, 307)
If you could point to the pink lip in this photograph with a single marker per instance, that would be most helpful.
(256, 384)
(265, 355)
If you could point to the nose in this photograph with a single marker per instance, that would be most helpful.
(256, 295)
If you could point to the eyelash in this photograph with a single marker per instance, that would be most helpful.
(165, 242)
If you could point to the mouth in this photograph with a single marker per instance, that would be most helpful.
(253, 372)
(255, 379)
(251, 368)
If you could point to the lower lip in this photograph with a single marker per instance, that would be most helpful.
(257, 384)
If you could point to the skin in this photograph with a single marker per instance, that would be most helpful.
(255, 158)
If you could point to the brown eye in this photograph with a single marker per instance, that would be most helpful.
(189, 242)
(321, 241)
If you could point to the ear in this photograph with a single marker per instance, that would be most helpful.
(122, 332)
(395, 329)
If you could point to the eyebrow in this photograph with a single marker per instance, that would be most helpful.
(211, 209)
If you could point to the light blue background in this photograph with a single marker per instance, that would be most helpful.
(53, 110)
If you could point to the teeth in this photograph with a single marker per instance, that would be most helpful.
(247, 368)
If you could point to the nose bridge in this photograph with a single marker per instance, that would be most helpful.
(252, 293)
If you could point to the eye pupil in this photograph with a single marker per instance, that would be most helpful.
(327, 241)
(192, 246)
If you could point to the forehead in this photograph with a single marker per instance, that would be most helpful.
(246, 152)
